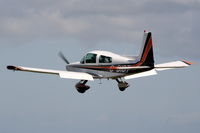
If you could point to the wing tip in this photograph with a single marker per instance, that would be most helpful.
(187, 62)
(10, 67)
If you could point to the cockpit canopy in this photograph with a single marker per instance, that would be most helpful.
(94, 58)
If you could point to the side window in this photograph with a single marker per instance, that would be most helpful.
(105, 59)
(90, 58)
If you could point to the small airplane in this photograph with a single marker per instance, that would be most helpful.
(108, 65)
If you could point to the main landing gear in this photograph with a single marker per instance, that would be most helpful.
(81, 86)
(122, 84)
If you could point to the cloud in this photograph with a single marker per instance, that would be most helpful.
(174, 22)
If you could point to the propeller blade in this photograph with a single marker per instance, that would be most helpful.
(63, 57)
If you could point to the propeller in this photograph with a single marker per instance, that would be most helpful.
(63, 57)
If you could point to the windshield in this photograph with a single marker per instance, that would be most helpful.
(82, 60)
(90, 58)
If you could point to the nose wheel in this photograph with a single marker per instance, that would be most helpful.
(122, 84)
(81, 86)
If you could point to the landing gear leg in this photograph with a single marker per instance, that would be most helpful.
(81, 86)
(122, 84)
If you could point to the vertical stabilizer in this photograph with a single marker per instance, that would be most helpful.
(146, 54)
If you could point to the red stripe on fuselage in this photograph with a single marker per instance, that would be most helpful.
(108, 67)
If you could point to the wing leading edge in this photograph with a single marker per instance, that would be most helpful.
(62, 74)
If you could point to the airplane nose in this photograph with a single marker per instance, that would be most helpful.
(68, 67)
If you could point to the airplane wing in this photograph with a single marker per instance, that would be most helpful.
(172, 65)
(62, 74)
(159, 67)
(142, 74)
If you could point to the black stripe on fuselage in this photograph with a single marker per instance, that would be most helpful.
(112, 68)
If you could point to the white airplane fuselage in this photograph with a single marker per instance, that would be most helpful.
(107, 70)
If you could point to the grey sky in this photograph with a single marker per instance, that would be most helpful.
(33, 31)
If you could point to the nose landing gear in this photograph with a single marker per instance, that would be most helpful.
(122, 84)
(81, 86)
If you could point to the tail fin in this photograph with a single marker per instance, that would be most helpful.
(146, 54)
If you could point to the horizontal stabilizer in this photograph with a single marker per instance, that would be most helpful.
(142, 74)
(62, 74)
(172, 65)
